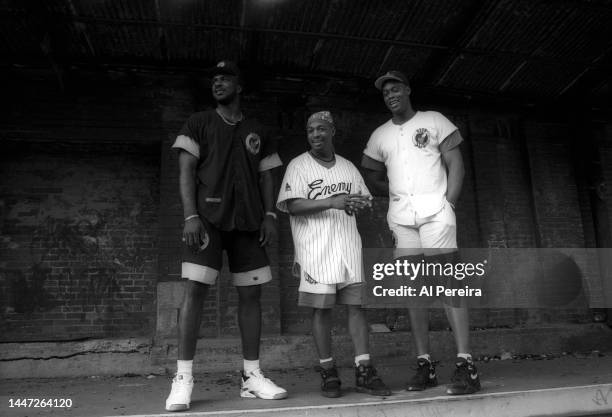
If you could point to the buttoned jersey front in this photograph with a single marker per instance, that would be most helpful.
(228, 168)
(327, 243)
(412, 156)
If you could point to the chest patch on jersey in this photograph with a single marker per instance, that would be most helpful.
(421, 137)
(287, 187)
(253, 143)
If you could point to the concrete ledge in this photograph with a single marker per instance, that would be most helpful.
(298, 351)
(570, 401)
(69, 359)
(144, 356)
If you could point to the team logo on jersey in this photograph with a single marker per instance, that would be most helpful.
(421, 137)
(287, 187)
(253, 143)
(204, 242)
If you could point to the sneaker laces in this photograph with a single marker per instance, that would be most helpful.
(258, 374)
(424, 363)
(462, 372)
(369, 374)
(329, 375)
(184, 380)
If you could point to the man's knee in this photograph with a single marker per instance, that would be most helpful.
(354, 310)
(195, 291)
(250, 294)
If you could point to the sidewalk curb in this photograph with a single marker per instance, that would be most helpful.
(568, 401)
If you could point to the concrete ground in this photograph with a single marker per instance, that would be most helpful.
(573, 384)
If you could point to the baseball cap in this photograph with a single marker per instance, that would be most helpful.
(324, 116)
(225, 67)
(390, 76)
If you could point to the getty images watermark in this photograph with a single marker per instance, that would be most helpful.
(489, 278)
(441, 278)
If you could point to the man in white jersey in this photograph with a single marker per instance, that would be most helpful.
(419, 153)
(322, 191)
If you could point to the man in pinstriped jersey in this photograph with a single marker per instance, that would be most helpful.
(322, 191)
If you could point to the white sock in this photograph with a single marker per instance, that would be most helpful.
(359, 358)
(425, 356)
(184, 367)
(327, 362)
(250, 366)
(465, 356)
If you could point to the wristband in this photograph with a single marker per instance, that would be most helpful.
(273, 214)
(193, 216)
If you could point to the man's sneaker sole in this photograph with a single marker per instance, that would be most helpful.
(461, 391)
(177, 407)
(249, 394)
(331, 394)
(364, 390)
(431, 384)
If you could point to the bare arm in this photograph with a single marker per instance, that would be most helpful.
(193, 231)
(187, 182)
(268, 185)
(268, 189)
(375, 176)
(456, 171)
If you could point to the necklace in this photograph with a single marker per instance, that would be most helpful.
(228, 121)
(321, 159)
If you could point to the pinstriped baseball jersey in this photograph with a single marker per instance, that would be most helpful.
(327, 243)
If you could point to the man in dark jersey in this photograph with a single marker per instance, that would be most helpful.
(227, 190)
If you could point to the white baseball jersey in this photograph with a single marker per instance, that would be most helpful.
(411, 153)
(327, 243)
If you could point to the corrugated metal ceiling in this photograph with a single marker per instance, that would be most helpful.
(522, 48)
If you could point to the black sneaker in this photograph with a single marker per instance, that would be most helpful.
(425, 376)
(465, 380)
(368, 382)
(330, 386)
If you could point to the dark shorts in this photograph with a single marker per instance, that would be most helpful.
(349, 294)
(248, 261)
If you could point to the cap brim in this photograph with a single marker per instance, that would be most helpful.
(380, 81)
(220, 70)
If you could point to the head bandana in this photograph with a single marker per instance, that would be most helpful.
(324, 116)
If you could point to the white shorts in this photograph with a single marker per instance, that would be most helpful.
(430, 235)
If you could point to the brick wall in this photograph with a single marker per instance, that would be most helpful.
(520, 189)
(78, 253)
(606, 163)
(556, 197)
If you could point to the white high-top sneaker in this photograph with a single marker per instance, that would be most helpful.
(180, 395)
(256, 385)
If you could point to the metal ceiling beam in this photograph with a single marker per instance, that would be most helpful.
(243, 20)
(325, 36)
(506, 83)
(473, 24)
(44, 29)
(430, 94)
(161, 35)
(390, 49)
(80, 27)
(596, 78)
(314, 59)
